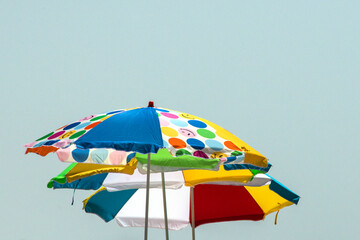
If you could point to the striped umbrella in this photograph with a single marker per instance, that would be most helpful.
(122, 194)
(93, 176)
(212, 203)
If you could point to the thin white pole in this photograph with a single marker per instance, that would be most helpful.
(192, 212)
(164, 201)
(147, 196)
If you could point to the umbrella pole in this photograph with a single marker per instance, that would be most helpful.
(164, 201)
(147, 197)
(192, 212)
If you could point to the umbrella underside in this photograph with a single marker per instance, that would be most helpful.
(213, 203)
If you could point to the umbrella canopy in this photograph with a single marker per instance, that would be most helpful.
(212, 203)
(118, 178)
(115, 137)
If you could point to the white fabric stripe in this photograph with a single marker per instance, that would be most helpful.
(178, 201)
(120, 181)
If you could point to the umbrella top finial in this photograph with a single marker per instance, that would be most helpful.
(151, 104)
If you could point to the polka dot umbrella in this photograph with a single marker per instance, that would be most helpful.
(192, 142)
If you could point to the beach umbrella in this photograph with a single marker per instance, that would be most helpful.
(93, 176)
(174, 180)
(212, 203)
(192, 142)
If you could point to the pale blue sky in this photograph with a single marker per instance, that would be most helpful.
(281, 75)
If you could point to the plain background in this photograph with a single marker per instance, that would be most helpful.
(281, 75)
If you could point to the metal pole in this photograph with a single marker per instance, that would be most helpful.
(164, 201)
(192, 212)
(147, 197)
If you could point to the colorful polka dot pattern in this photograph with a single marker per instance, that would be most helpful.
(69, 133)
(185, 134)
(96, 155)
